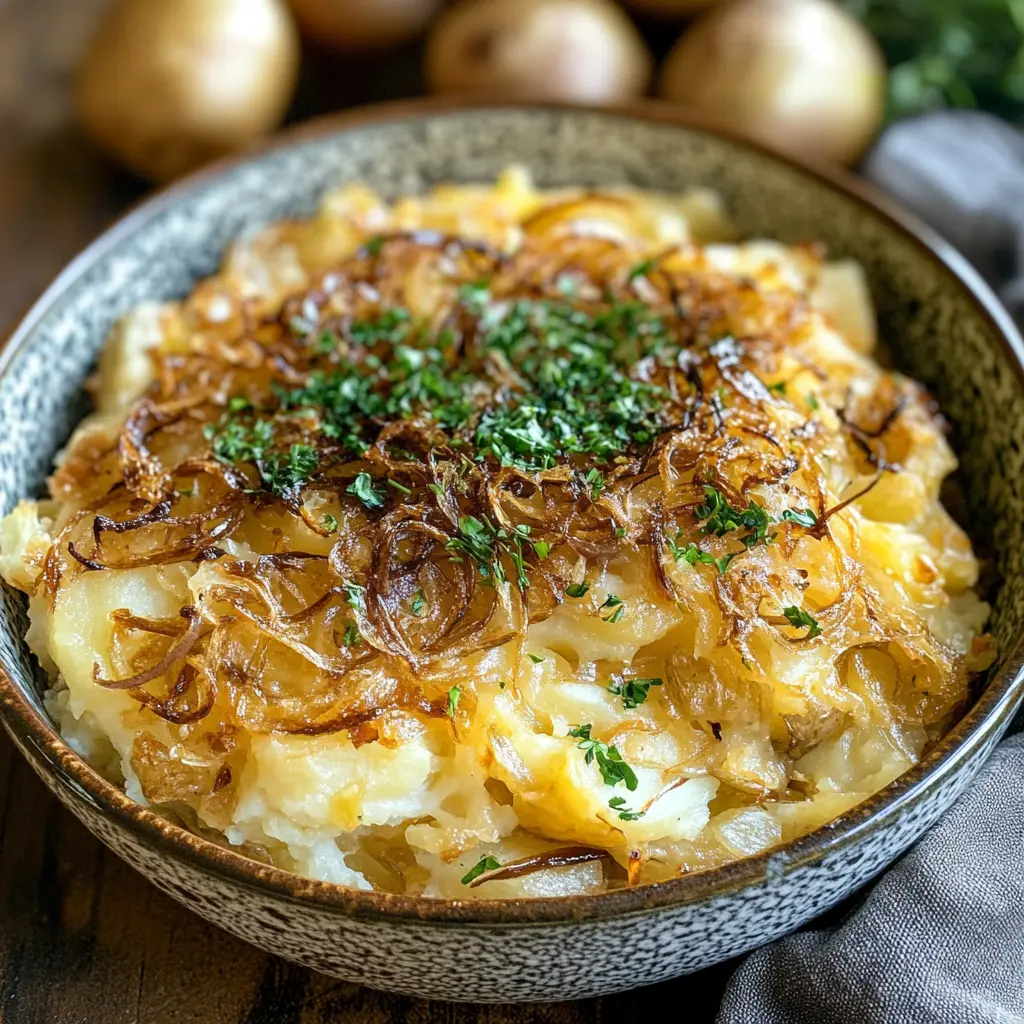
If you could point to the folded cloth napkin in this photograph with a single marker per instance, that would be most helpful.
(940, 938)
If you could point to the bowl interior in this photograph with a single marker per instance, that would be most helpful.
(932, 308)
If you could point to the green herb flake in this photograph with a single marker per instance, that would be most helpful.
(419, 602)
(690, 554)
(483, 865)
(618, 804)
(401, 488)
(362, 487)
(326, 343)
(799, 619)
(475, 295)
(453, 700)
(614, 606)
(718, 517)
(354, 594)
(536, 658)
(805, 518)
(813, 402)
(595, 481)
(285, 473)
(329, 523)
(577, 589)
(641, 269)
(778, 388)
(352, 637)
(633, 691)
(566, 285)
(485, 544)
(609, 761)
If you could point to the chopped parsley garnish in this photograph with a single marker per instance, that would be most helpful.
(541, 548)
(618, 803)
(419, 602)
(536, 658)
(812, 401)
(778, 388)
(580, 397)
(609, 761)
(483, 865)
(595, 481)
(354, 594)
(720, 518)
(453, 700)
(285, 472)
(329, 523)
(577, 589)
(614, 606)
(237, 440)
(566, 285)
(799, 619)
(485, 544)
(326, 343)
(392, 325)
(362, 487)
(476, 295)
(401, 488)
(640, 269)
(804, 518)
(352, 637)
(692, 555)
(633, 691)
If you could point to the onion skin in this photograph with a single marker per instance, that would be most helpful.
(799, 74)
(362, 24)
(577, 51)
(167, 86)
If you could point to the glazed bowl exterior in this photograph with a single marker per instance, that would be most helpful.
(942, 325)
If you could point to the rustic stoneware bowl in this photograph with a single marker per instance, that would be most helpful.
(942, 325)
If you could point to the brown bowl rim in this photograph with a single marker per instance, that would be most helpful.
(992, 712)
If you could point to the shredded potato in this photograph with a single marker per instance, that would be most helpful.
(503, 543)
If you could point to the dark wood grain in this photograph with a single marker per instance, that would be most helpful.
(83, 939)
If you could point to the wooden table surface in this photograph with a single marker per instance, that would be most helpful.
(83, 938)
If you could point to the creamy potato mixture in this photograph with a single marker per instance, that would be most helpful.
(499, 543)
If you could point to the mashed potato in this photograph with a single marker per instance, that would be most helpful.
(497, 542)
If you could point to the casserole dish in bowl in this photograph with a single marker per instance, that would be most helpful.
(943, 328)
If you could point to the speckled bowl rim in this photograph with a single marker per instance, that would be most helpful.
(50, 755)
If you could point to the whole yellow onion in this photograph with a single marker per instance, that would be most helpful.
(167, 85)
(363, 24)
(583, 51)
(800, 74)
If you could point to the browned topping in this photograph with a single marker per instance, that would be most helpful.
(413, 487)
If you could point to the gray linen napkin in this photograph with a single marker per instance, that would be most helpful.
(940, 938)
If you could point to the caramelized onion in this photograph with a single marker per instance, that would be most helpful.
(287, 640)
(560, 858)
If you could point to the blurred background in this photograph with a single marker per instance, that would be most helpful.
(101, 98)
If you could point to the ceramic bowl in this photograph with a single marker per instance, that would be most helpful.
(943, 326)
